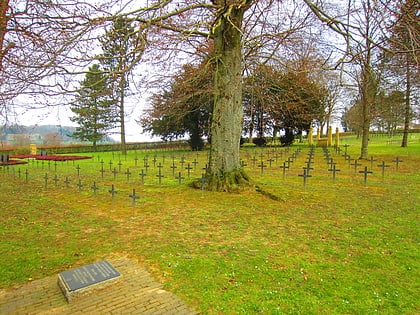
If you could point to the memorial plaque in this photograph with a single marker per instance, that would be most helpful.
(83, 280)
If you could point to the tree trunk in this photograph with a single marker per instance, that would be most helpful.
(4, 5)
(366, 104)
(122, 118)
(407, 112)
(224, 171)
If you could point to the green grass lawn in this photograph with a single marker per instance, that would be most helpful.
(332, 247)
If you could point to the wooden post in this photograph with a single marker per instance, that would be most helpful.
(32, 148)
(337, 137)
(329, 141)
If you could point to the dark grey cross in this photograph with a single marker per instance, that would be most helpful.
(195, 163)
(56, 180)
(371, 161)
(49, 164)
(46, 180)
(55, 166)
(26, 175)
(179, 178)
(112, 191)
(146, 165)
(135, 160)
(110, 165)
(203, 181)
(154, 161)
(345, 148)
(355, 164)
(115, 172)
(128, 173)
(330, 162)
(145, 161)
(270, 161)
(19, 173)
(308, 168)
(182, 161)
(159, 176)
(383, 166)
(78, 170)
(397, 161)
(284, 167)
(365, 173)
(188, 168)
(173, 167)
(119, 166)
(67, 182)
(102, 172)
(289, 160)
(334, 170)
(305, 175)
(347, 157)
(80, 185)
(254, 159)
(102, 163)
(142, 175)
(134, 197)
(94, 188)
(262, 166)
(163, 158)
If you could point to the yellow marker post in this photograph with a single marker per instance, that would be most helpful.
(32, 148)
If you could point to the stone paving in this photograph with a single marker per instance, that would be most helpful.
(136, 293)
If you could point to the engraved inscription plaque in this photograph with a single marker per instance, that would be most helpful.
(76, 282)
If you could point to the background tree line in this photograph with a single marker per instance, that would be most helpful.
(372, 46)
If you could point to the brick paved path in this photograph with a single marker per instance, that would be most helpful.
(136, 293)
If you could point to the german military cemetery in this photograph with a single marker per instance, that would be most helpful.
(318, 231)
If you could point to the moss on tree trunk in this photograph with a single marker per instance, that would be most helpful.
(224, 171)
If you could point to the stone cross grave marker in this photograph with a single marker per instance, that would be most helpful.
(159, 175)
(46, 180)
(383, 166)
(133, 197)
(142, 175)
(56, 180)
(188, 168)
(397, 162)
(94, 188)
(334, 170)
(284, 167)
(305, 175)
(128, 174)
(355, 164)
(179, 178)
(67, 182)
(365, 173)
(112, 191)
(85, 280)
(80, 185)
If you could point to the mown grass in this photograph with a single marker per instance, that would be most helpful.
(338, 247)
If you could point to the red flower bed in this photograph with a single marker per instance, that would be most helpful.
(50, 157)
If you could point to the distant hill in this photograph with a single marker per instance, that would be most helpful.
(38, 133)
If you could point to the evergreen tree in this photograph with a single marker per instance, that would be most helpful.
(93, 107)
(119, 52)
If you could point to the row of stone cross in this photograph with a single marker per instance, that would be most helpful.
(181, 167)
